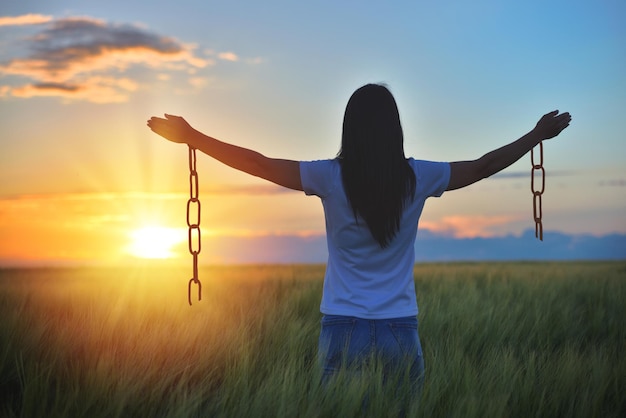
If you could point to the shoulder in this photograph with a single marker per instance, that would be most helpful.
(319, 164)
(425, 167)
(318, 177)
(433, 176)
(319, 167)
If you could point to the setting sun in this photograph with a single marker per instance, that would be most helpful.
(155, 241)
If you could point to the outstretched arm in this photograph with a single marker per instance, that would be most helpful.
(282, 172)
(464, 173)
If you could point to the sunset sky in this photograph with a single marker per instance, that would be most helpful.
(83, 179)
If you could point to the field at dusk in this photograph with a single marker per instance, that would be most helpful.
(500, 339)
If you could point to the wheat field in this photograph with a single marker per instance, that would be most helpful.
(499, 339)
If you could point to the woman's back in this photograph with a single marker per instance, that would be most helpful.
(364, 279)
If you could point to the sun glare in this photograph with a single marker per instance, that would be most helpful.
(155, 241)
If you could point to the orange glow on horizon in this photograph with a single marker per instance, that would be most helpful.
(113, 228)
(468, 226)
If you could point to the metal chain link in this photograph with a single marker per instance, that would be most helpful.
(537, 212)
(194, 238)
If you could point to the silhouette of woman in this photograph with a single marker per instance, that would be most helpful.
(372, 197)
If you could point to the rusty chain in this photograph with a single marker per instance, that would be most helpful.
(194, 225)
(537, 212)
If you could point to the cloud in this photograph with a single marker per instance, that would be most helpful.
(233, 57)
(94, 89)
(82, 57)
(613, 183)
(28, 19)
(526, 174)
(228, 56)
(199, 82)
(255, 60)
(245, 189)
(459, 226)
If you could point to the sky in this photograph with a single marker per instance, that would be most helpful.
(83, 180)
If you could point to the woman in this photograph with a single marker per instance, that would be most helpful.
(373, 197)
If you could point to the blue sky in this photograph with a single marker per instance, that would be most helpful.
(275, 76)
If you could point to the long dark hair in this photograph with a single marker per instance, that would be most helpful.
(376, 175)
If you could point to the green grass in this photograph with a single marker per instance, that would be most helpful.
(499, 339)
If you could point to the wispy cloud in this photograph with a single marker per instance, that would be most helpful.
(199, 82)
(462, 226)
(84, 58)
(22, 20)
(613, 183)
(233, 57)
(526, 174)
(246, 189)
(94, 89)
(228, 56)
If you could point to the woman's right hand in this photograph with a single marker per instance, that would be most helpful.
(551, 124)
(173, 128)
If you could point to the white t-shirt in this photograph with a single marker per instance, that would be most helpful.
(362, 279)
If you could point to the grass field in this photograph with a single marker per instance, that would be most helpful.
(499, 339)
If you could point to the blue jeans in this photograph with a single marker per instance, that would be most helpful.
(350, 343)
